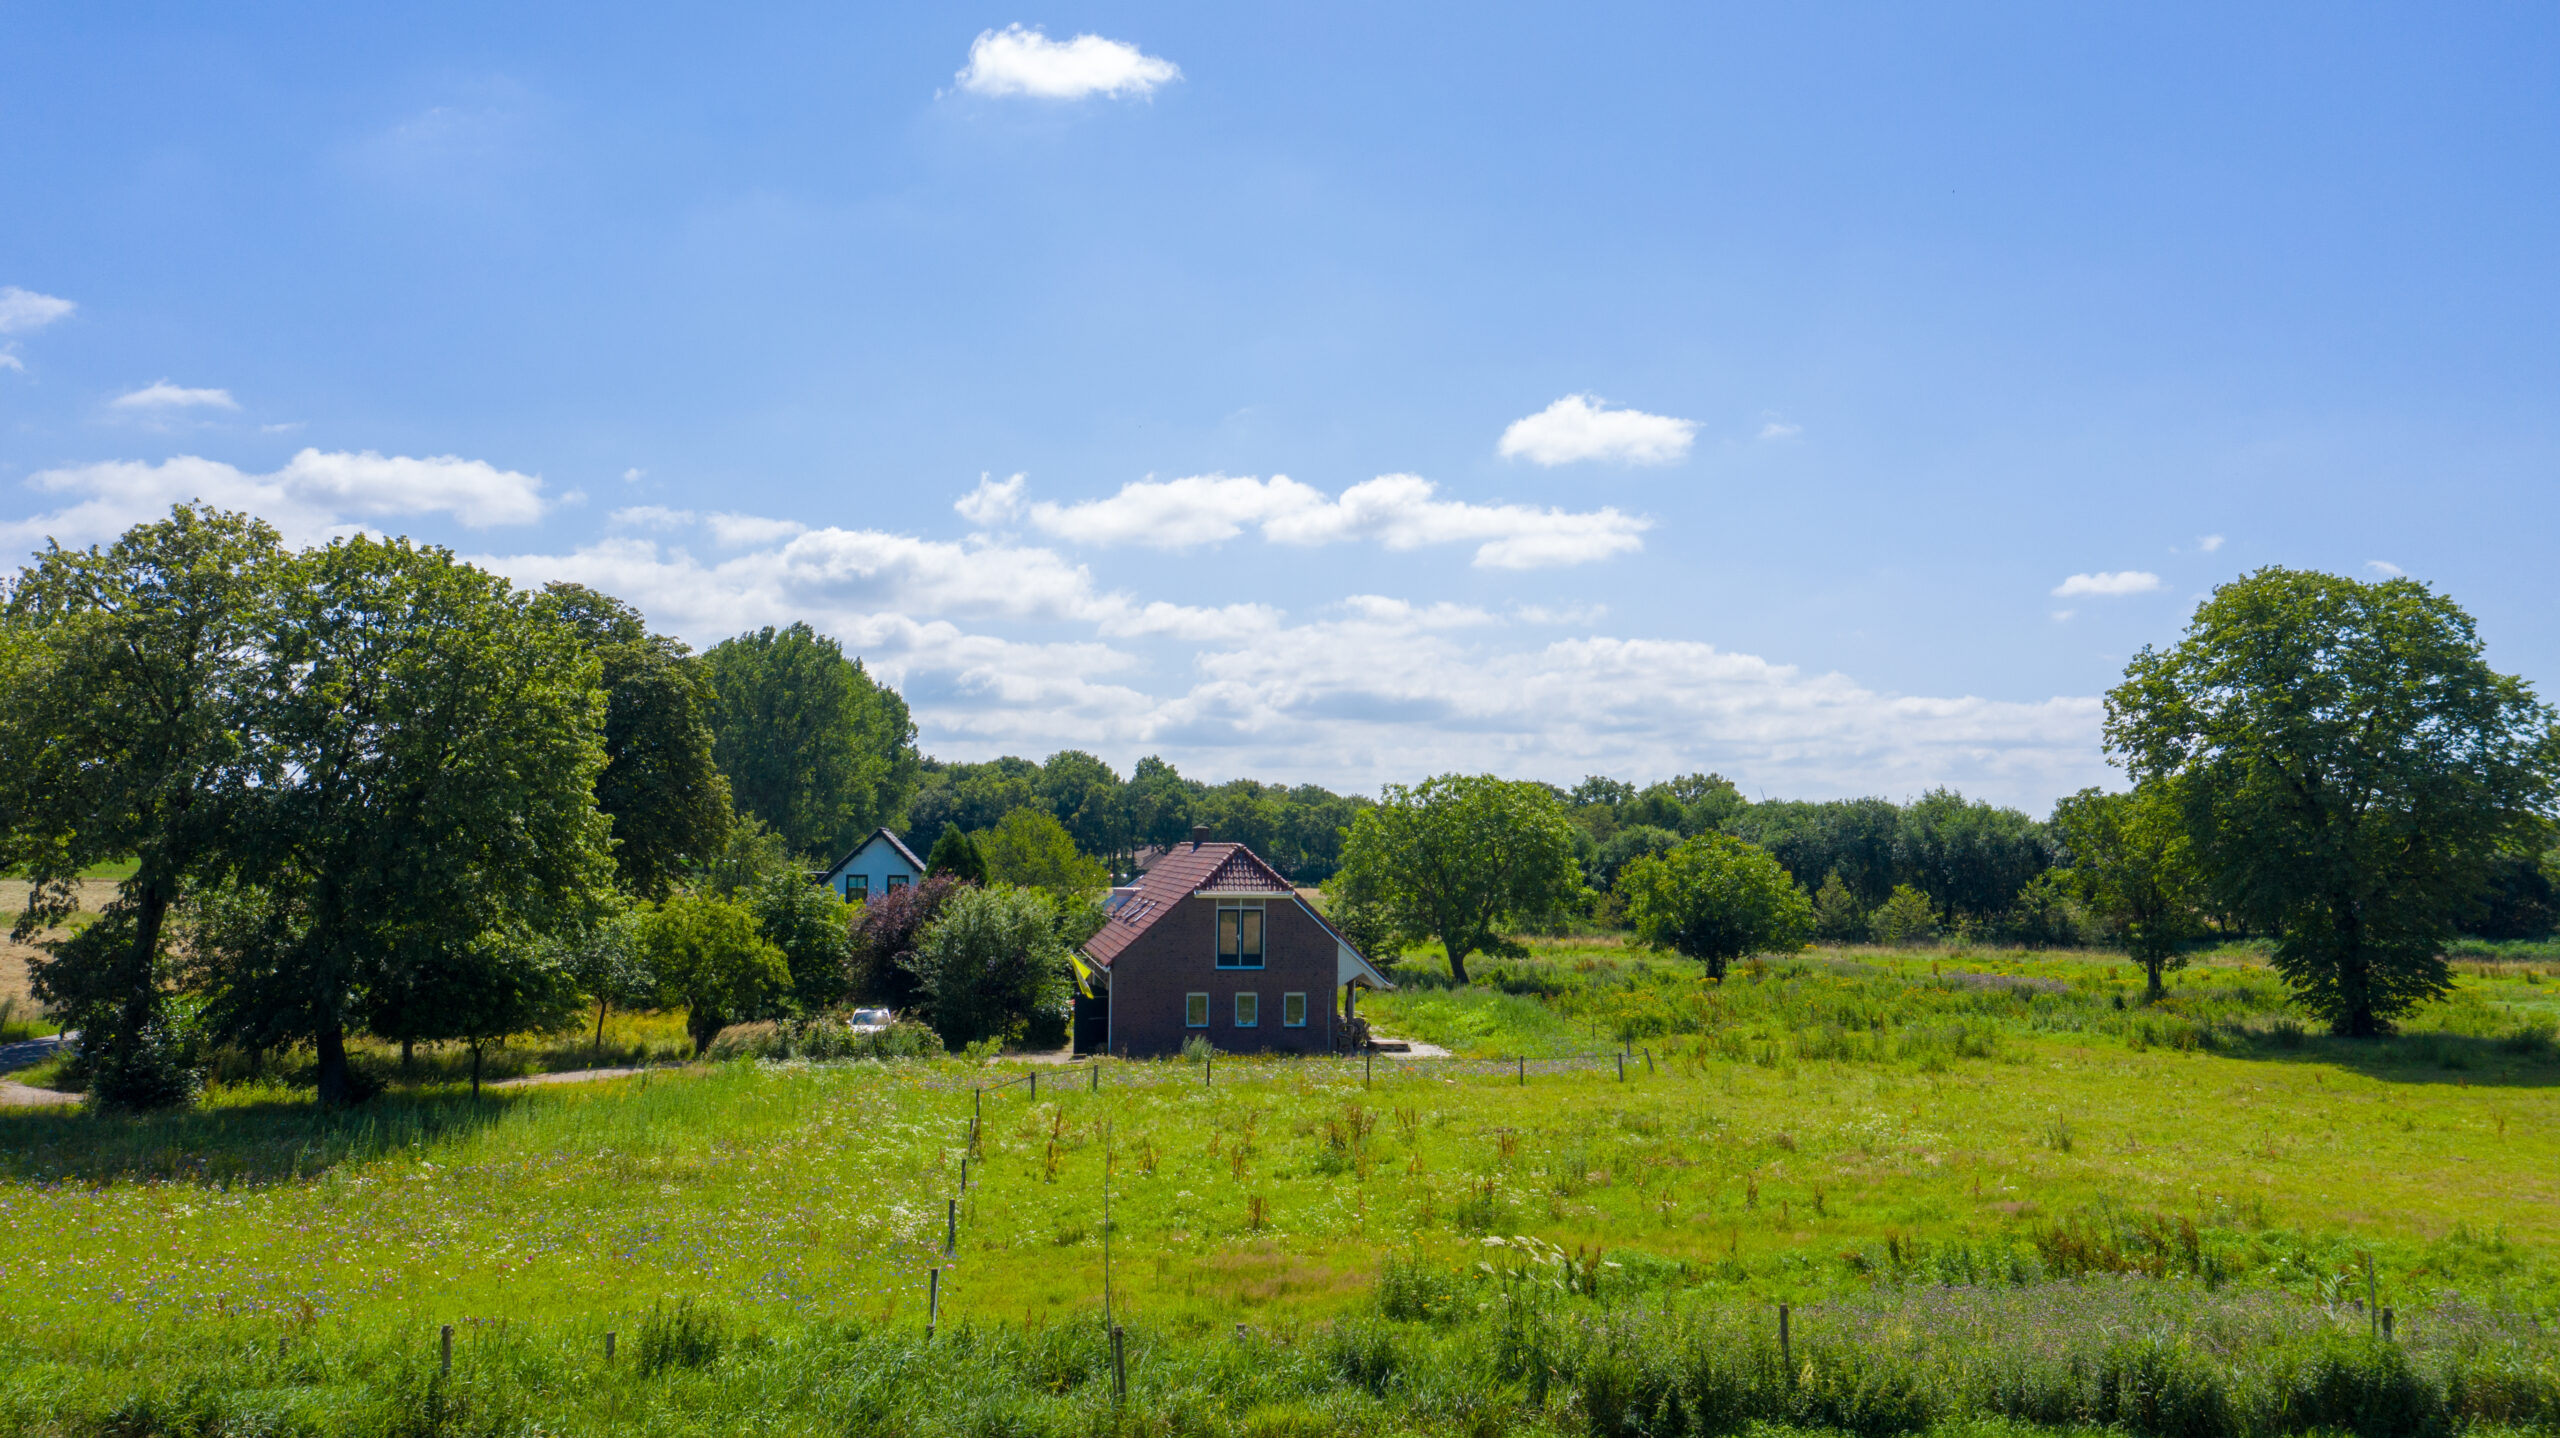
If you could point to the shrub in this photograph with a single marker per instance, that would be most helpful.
(1905, 918)
(825, 1039)
(681, 1336)
(990, 963)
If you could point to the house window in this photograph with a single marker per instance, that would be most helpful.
(897, 882)
(857, 886)
(1240, 936)
(1248, 1010)
(1293, 1011)
(1195, 1011)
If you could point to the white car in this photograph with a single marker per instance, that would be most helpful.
(871, 1021)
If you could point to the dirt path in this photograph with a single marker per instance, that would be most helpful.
(572, 1076)
(23, 1055)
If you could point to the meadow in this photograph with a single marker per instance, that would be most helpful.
(1994, 1189)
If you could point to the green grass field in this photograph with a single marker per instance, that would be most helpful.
(1912, 1149)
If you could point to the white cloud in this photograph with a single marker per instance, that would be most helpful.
(632, 476)
(2384, 568)
(2063, 616)
(1780, 429)
(1016, 61)
(735, 531)
(25, 310)
(991, 503)
(1374, 688)
(313, 496)
(1397, 510)
(2209, 542)
(160, 395)
(9, 360)
(652, 516)
(1577, 427)
(2127, 581)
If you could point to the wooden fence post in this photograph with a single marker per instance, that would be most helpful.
(951, 1226)
(1786, 1363)
(1119, 1366)
(608, 1345)
(445, 1342)
(932, 1302)
(1035, 1085)
(1622, 1065)
(1097, 1075)
(1524, 1070)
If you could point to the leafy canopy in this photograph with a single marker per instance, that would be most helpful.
(990, 964)
(2347, 768)
(1462, 858)
(1715, 899)
(2134, 868)
(711, 956)
(811, 745)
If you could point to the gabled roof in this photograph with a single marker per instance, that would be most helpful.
(1187, 870)
(876, 836)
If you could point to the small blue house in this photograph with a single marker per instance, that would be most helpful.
(876, 865)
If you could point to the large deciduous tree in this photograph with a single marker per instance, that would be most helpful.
(1462, 859)
(2348, 768)
(429, 741)
(122, 735)
(667, 798)
(2134, 868)
(811, 745)
(1716, 899)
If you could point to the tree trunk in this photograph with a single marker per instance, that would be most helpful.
(337, 1086)
(407, 1047)
(475, 1073)
(599, 1054)
(1457, 960)
(2153, 990)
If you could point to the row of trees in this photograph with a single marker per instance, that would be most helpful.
(1299, 830)
(368, 788)
(2329, 763)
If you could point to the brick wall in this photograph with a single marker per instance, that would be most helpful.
(1177, 956)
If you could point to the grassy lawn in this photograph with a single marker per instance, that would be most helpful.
(1855, 1132)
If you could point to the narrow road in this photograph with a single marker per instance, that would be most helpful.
(27, 1054)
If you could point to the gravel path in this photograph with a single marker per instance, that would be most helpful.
(572, 1076)
(26, 1055)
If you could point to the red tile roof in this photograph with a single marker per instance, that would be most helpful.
(1210, 868)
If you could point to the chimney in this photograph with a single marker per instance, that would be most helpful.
(1199, 835)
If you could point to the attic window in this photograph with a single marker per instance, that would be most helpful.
(1239, 936)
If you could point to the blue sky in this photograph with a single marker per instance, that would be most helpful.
(1831, 346)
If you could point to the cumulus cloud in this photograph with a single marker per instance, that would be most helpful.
(1580, 427)
(735, 530)
(2384, 569)
(1006, 647)
(2125, 581)
(2209, 542)
(1016, 61)
(991, 503)
(161, 396)
(1400, 511)
(9, 360)
(22, 311)
(316, 494)
(1780, 429)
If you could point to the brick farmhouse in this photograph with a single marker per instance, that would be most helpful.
(1212, 942)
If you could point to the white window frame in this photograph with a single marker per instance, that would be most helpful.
(1195, 1003)
(1261, 935)
(1248, 999)
(1289, 1002)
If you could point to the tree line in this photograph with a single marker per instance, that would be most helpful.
(2329, 764)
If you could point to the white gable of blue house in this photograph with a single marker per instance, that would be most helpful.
(876, 865)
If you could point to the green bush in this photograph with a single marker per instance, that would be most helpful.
(825, 1039)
